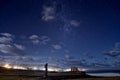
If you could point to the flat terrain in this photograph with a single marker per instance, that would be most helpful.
(110, 78)
(37, 78)
(10, 74)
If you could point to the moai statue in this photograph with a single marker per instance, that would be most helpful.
(46, 70)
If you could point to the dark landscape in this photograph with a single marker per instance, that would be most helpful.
(15, 74)
(59, 39)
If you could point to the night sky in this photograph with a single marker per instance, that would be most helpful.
(65, 33)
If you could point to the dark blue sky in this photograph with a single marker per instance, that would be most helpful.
(66, 32)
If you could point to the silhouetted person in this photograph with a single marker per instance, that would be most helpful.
(46, 70)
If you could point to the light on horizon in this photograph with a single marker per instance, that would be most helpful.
(19, 67)
(7, 65)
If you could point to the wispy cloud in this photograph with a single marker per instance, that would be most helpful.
(74, 23)
(2, 58)
(39, 39)
(44, 40)
(48, 13)
(97, 64)
(57, 46)
(26, 59)
(69, 25)
(117, 61)
(8, 46)
(6, 34)
(50, 10)
(112, 53)
(68, 57)
(76, 63)
(9, 49)
(34, 39)
(21, 47)
(115, 51)
(17, 59)
(6, 40)
(117, 46)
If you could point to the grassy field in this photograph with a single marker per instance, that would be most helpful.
(37, 78)
(17, 78)
(9, 74)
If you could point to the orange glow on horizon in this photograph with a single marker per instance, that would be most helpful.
(7, 65)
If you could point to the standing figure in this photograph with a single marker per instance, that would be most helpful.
(46, 70)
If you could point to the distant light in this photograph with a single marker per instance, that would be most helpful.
(19, 67)
(34, 68)
(53, 69)
(81, 69)
(7, 65)
(67, 70)
(42, 68)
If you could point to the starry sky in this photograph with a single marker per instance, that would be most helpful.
(66, 33)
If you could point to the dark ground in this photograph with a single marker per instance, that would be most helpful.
(12, 74)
